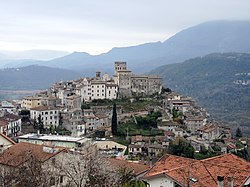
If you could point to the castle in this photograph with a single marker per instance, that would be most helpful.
(124, 84)
(130, 84)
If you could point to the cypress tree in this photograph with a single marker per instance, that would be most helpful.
(114, 121)
(238, 133)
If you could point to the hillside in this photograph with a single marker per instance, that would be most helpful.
(199, 40)
(33, 77)
(211, 80)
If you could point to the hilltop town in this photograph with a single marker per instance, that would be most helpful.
(94, 130)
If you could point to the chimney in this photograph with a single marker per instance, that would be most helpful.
(230, 181)
(220, 181)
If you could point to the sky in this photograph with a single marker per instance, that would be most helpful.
(96, 26)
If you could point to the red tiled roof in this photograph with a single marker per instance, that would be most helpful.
(7, 138)
(21, 152)
(166, 163)
(137, 168)
(203, 172)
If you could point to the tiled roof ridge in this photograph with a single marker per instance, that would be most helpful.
(25, 156)
(186, 165)
(215, 180)
(214, 157)
(6, 137)
(229, 154)
(216, 164)
(155, 163)
(170, 155)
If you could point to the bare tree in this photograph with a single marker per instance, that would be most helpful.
(87, 169)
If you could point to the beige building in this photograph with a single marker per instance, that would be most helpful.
(73, 102)
(31, 102)
(130, 84)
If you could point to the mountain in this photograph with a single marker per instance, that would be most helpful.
(33, 77)
(202, 39)
(33, 54)
(199, 40)
(217, 81)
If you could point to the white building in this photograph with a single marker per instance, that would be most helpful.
(49, 115)
(97, 88)
(7, 106)
(10, 125)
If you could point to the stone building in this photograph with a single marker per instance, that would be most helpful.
(130, 84)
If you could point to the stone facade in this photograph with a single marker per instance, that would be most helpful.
(130, 84)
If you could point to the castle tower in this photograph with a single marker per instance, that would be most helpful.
(120, 66)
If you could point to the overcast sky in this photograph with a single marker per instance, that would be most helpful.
(95, 26)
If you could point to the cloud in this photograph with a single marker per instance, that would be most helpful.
(96, 26)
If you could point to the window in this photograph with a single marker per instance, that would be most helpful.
(52, 181)
(61, 179)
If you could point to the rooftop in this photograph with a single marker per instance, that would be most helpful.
(22, 152)
(137, 168)
(43, 108)
(53, 138)
(203, 172)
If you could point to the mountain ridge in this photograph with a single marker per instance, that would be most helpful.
(199, 40)
(216, 82)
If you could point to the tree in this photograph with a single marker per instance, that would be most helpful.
(128, 178)
(87, 169)
(238, 133)
(29, 173)
(114, 121)
(181, 147)
(40, 124)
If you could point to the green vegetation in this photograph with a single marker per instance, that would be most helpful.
(145, 126)
(135, 104)
(205, 153)
(128, 179)
(243, 153)
(177, 115)
(181, 147)
(210, 80)
(238, 133)
(114, 121)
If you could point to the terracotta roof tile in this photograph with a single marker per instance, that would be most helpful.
(168, 162)
(137, 168)
(21, 152)
(202, 173)
(7, 138)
